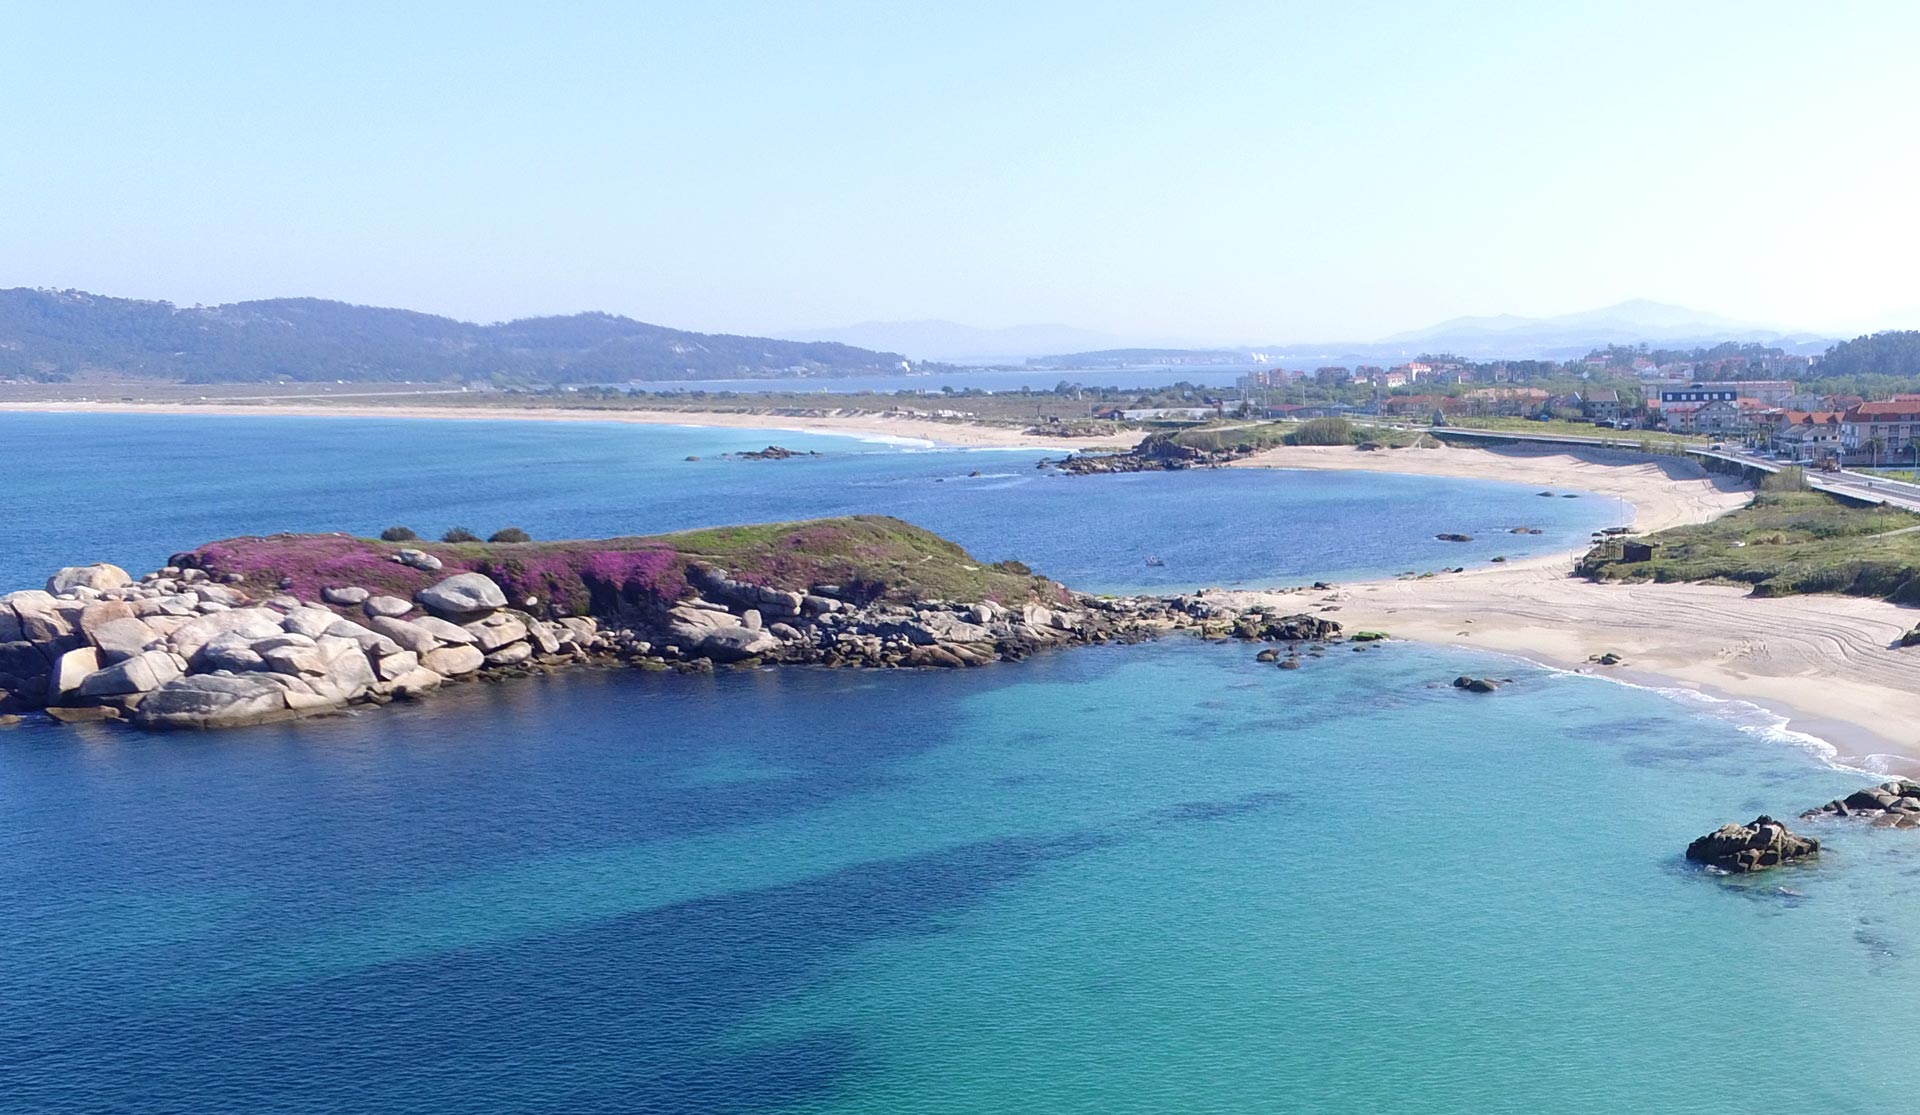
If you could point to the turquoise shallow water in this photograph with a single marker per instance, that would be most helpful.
(1119, 879)
(1128, 879)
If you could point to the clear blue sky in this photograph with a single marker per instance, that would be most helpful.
(1260, 171)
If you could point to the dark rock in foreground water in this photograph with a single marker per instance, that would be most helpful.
(1754, 847)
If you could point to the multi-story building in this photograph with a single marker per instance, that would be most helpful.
(1890, 425)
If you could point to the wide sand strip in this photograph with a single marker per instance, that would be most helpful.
(1827, 663)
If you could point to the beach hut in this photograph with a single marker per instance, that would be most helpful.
(1638, 551)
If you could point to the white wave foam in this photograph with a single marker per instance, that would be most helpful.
(1754, 720)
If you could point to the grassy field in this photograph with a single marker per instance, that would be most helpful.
(1784, 543)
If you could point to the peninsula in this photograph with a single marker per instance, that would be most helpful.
(251, 630)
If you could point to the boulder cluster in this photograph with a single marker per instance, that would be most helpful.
(1155, 453)
(183, 648)
(1894, 804)
(177, 649)
(1741, 848)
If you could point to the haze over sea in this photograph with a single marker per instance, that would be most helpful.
(1127, 878)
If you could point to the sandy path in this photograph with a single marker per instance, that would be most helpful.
(1824, 662)
(964, 434)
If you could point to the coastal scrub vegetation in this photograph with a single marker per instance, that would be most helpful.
(459, 534)
(1322, 431)
(872, 557)
(510, 534)
(1784, 543)
(398, 534)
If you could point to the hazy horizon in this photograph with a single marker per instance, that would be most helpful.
(1224, 174)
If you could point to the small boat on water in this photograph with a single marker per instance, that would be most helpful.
(1154, 560)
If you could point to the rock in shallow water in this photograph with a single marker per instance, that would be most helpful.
(1754, 847)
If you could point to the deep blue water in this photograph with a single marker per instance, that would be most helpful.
(1120, 879)
(134, 489)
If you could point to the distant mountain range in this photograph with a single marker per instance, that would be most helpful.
(1573, 334)
(71, 333)
(952, 341)
(1504, 335)
(63, 334)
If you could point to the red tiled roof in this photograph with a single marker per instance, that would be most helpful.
(1887, 410)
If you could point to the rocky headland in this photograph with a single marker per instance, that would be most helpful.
(251, 630)
(1155, 453)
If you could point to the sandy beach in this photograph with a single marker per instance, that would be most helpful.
(866, 424)
(1826, 663)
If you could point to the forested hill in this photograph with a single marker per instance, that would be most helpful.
(67, 334)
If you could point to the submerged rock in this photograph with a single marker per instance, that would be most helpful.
(1753, 847)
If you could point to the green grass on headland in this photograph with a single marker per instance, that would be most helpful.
(1657, 441)
(1250, 438)
(1784, 543)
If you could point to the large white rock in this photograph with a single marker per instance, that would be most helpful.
(393, 666)
(311, 622)
(255, 623)
(494, 632)
(410, 636)
(121, 639)
(386, 606)
(69, 671)
(213, 701)
(463, 594)
(143, 673)
(372, 642)
(444, 631)
(730, 644)
(292, 658)
(98, 576)
(229, 652)
(510, 655)
(415, 681)
(348, 674)
(453, 661)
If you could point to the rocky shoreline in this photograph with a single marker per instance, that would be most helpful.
(1155, 453)
(200, 644)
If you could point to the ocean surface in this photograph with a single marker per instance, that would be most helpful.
(134, 489)
(1120, 879)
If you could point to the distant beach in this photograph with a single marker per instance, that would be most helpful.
(954, 433)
